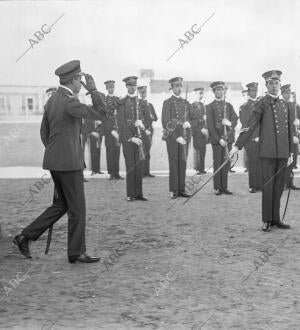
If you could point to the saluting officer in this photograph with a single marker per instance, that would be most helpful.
(251, 147)
(286, 94)
(149, 117)
(199, 132)
(176, 124)
(221, 120)
(275, 146)
(60, 134)
(112, 142)
(130, 122)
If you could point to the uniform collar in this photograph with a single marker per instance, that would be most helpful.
(67, 88)
(131, 95)
(219, 100)
(252, 99)
(177, 96)
(274, 96)
(109, 95)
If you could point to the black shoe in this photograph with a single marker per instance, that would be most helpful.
(118, 177)
(99, 172)
(203, 172)
(151, 175)
(231, 171)
(281, 225)
(227, 192)
(245, 170)
(252, 190)
(22, 243)
(183, 194)
(218, 192)
(198, 173)
(130, 199)
(266, 226)
(141, 198)
(292, 187)
(83, 258)
(173, 195)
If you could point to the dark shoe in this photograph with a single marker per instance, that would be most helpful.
(203, 172)
(231, 171)
(198, 173)
(294, 187)
(218, 192)
(85, 180)
(83, 258)
(118, 177)
(151, 175)
(227, 192)
(141, 198)
(266, 226)
(22, 243)
(173, 195)
(252, 190)
(183, 194)
(99, 172)
(281, 225)
(130, 199)
(245, 170)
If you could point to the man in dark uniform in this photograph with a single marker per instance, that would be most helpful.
(130, 123)
(111, 133)
(275, 147)
(286, 94)
(176, 124)
(149, 117)
(296, 106)
(95, 137)
(199, 132)
(251, 147)
(221, 120)
(60, 133)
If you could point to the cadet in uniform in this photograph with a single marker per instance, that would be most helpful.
(128, 123)
(149, 117)
(297, 122)
(199, 132)
(60, 133)
(221, 117)
(95, 137)
(286, 94)
(111, 133)
(251, 147)
(176, 124)
(275, 147)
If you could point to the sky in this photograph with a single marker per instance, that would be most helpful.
(114, 39)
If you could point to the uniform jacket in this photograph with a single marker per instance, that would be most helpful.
(149, 116)
(275, 128)
(245, 112)
(198, 120)
(61, 128)
(215, 115)
(112, 106)
(175, 112)
(127, 115)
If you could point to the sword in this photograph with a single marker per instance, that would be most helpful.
(228, 159)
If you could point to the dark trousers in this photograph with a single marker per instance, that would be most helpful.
(199, 154)
(147, 143)
(289, 178)
(221, 178)
(95, 145)
(112, 155)
(254, 166)
(177, 155)
(68, 197)
(134, 170)
(273, 174)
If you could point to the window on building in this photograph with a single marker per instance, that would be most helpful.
(30, 104)
(2, 104)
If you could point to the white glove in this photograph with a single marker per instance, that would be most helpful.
(98, 122)
(136, 140)
(139, 123)
(233, 151)
(226, 122)
(186, 124)
(296, 122)
(115, 134)
(204, 117)
(223, 143)
(95, 134)
(204, 131)
(295, 140)
(290, 160)
(181, 140)
(256, 139)
(147, 132)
